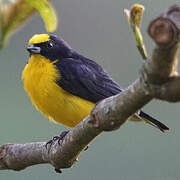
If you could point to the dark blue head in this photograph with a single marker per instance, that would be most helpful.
(49, 46)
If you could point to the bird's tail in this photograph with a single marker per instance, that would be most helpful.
(150, 120)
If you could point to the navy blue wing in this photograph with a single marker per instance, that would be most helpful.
(86, 79)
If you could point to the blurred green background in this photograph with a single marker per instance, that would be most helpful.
(97, 29)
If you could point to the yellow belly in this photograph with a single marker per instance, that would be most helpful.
(39, 77)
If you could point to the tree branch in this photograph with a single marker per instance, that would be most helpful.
(158, 79)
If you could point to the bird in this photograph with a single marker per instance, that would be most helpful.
(64, 85)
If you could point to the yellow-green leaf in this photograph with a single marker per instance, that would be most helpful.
(134, 16)
(11, 17)
(136, 13)
(47, 13)
(14, 13)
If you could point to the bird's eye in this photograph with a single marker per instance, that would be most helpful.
(50, 45)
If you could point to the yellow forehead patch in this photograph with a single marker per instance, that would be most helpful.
(39, 38)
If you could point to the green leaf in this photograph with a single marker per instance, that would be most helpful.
(47, 13)
(11, 17)
(134, 17)
(14, 14)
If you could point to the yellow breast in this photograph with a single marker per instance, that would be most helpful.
(39, 77)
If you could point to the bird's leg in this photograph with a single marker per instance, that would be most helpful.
(55, 138)
(60, 139)
(86, 148)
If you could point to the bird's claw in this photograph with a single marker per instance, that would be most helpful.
(56, 138)
(86, 148)
(58, 171)
(59, 139)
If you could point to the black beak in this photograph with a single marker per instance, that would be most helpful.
(33, 49)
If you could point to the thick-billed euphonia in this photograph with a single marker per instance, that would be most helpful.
(65, 85)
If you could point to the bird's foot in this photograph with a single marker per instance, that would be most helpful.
(56, 138)
(59, 139)
(58, 171)
(86, 148)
